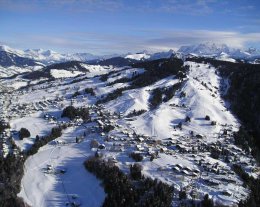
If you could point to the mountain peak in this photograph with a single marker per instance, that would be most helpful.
(214, 44)
(40, 50)
(4, 48)
(207, 48)
(49, 52)
(253, 51)
(8, 49)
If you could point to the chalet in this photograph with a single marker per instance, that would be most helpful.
(59, 142)
(130, 135)
(226, 193)
(185, 172)
(169, 143)
(116, 149)
(194, 174)
(140, 139)
(179, 166)
(139, 147)
(176, 168)
(187, 168)
(101, 146)
(169, 138)
(182, 148)
(199, 136)
(79, 139)
(111, 137)
(49, 167)
(196, 171)
(163, 149)
(214, 170)
(150, 150)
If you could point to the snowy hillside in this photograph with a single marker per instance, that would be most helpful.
(169, 112)
(177, 109)
(138, 56)
(145, 55)
(13, 70)
(218, 51)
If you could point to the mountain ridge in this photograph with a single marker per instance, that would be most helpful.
(217, 51)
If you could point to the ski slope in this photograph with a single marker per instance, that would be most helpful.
(48, 189)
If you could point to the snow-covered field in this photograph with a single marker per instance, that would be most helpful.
(138, 56)
(35, 124)
(14, 70)
(64, 73)
(41, 188)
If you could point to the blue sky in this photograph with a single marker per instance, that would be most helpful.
(118, 26)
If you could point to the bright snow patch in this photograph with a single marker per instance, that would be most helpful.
(64, 73)
(138, 56)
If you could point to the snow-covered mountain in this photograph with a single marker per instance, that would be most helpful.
(48, 56)
(12, 62)
(138, 56)
(146, 55)
(45, 56)
(220, 51)
(159, 55)
(205, 49)
(8, 59)
(175, 115)
(5, 48)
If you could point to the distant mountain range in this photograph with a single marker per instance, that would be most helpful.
(34, 57)
(220, 51)
(48, 56)
(217, 51)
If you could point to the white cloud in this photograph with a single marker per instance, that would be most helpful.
(196, 7)
(66, 5)
(178, 38)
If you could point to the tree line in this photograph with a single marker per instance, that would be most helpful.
(129, 191)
